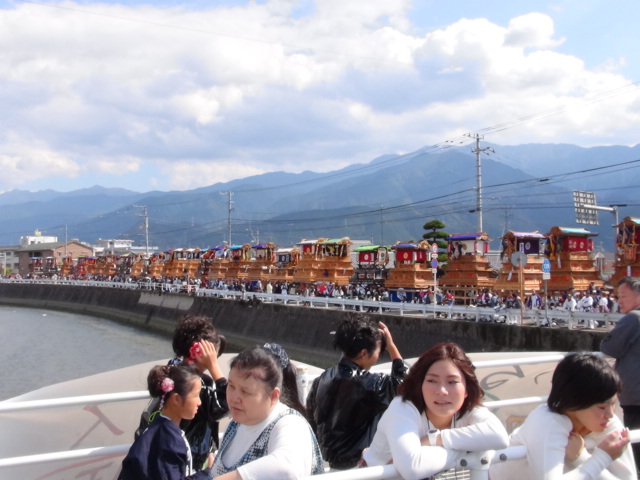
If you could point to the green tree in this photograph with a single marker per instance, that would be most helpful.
(435, 233)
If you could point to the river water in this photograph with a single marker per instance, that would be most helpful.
(42, 347)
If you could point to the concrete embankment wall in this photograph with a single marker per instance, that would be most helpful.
(303, 331)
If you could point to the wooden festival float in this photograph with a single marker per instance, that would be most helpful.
(182, 262)
(264, 263)
(371, 266)
(240, 257)
(287, 260)
(156, 264)
(104, 265)
(627, 263)
(526, 279)
(132, 264)
(213, 264)
(572, 267)
(325, 260)
(411, 270)
(468, 271)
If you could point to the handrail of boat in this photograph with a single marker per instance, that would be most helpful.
(510, 316)
(16, 406)
(477, 463)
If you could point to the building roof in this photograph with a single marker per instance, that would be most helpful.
(50, 246)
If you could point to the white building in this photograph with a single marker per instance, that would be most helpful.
(37, 237)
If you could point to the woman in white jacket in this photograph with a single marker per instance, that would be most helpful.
(576, 435)
(436, 418)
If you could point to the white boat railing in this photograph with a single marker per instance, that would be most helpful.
(539, 317)
(476, 463)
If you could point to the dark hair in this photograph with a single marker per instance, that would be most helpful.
(632, 282)
(289, 395)
(358, 332)
(580, 381)
(194, 328)
(259, 364)
(182, 376)
(411, 387)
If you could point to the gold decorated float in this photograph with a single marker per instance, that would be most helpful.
(572, 267)
(325, 260)
(468, 270)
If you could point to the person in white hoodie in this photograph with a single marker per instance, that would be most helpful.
(576, 435)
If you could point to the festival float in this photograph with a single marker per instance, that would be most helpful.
(522, 258)
(572, 267)
(468, 270)
(240, 259)
(286, 264)
(182, 262)
(411, 270)
(156, 264)
(627, 263)
(325, 260)
(263, 264)
(371, 266)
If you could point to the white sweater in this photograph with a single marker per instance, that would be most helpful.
(546, 435)
(289, 452)
(402, 426)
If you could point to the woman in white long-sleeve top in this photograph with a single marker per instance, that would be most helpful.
(576, 435)
(436, 418)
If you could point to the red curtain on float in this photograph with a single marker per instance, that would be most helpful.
(421, 256)
(366, 257)
(575, 244)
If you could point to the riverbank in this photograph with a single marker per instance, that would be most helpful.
(303, 331)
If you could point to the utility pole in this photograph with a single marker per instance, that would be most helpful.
(146, 227)
(229, 209)
(65, 240)
(477, 150)
(381, 226)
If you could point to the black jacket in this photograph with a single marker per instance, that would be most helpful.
(344, 406)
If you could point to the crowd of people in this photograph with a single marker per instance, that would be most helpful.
(424, 419)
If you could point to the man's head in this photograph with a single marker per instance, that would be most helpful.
(629, 294)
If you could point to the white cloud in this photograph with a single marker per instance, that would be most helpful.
(26, 164)
(534, 30)
(108, 88)
(185, 174)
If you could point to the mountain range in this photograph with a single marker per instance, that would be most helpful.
(524, 188)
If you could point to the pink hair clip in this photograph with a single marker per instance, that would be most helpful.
(167, 385)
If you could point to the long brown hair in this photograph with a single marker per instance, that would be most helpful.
(411, 388)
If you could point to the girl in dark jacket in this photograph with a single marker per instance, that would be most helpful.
(162, 451)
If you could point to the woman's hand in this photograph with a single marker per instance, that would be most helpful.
(394, 353)
(424, 441)
(210, 460)
(615, 443)
(574, 447)
(208, 359)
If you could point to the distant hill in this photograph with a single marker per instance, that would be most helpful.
(525, 188)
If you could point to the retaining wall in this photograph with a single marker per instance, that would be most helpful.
(304, 332)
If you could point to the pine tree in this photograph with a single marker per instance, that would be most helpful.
(436, 234)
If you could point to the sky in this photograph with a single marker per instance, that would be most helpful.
(171, 95)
